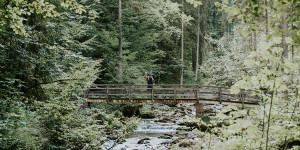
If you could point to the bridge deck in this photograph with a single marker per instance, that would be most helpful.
(169, 94)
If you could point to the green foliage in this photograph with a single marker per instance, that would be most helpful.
(17, 11)
(224, 66)
(19, 127)
(275, 78)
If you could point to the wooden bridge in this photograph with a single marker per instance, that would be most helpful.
(169, 93)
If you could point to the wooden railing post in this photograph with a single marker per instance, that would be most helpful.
(197, 93)
(152, 97)
(220, 93)
(242, 98)
(129, 93)
(174, 94)
(107, 94)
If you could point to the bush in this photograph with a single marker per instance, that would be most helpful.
(20, 128)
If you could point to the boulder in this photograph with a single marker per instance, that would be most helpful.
(166, 136)
(143, 141)
(186, 143)
(148, 115)
(130, 110)
(163, 119)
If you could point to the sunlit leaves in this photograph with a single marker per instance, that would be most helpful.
(195, 3)
(249, 63)
(18, 11)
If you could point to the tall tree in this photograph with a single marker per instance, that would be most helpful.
(284, 35)
(120, 42)
(198, 39)
(182, 46)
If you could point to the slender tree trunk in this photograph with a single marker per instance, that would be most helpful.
(120, 42)
(182, 48)
(267, 32)
(269, 117)
(214, 16)
(267, 20)
(197, 53)
(255, 44)
(284, 35)
(293, 53)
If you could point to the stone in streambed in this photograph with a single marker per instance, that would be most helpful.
(163, 119)
(209, 110)
(166, 136)
(148, 115)
(186, 143)
(143, 141)
(194, 125)
(184, 129)
(130, 110)
(112, 137)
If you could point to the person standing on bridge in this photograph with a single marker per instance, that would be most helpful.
(150, 80)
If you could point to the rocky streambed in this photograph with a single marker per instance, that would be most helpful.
(166, 126)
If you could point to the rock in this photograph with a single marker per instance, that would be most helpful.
(189, 124)
(175, 141)
(166, 136)
(171, 104)
(164, 119)
(130, 110)
(186, 143)
(143, 141)
(184, 129)
(209, 110)
(112, 137)
(148, 115)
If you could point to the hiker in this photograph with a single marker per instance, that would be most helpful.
(150, 80)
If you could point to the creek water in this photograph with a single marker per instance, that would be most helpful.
(150, 134)
(158, 134)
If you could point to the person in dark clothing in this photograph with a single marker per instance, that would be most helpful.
(150, 80)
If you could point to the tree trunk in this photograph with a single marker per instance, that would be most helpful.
(255, 44)
(284, 35)
(267, 21)
(214, 16)
(197, 53)
(120, 42)
(182, 48)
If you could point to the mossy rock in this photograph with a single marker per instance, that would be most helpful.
(171, 104)
(186, 143)
(131, 109)
(148, 115)
(205, 119)
(166, 136)
(184, 129)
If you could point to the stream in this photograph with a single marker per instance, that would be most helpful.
(158, 133)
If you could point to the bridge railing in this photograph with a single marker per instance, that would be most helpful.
(167, 93)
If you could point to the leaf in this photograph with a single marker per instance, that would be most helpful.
(23, 123)
(235, 90)
(288, 40)
(245, 32)
(221, 116)
(249, 63)
(277, 39)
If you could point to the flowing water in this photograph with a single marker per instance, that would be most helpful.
(157, 134)
(150, 134)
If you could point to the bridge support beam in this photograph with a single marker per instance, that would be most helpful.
(199, 109)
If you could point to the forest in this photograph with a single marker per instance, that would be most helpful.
(53, 51)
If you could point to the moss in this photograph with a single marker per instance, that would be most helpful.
(186, 143)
